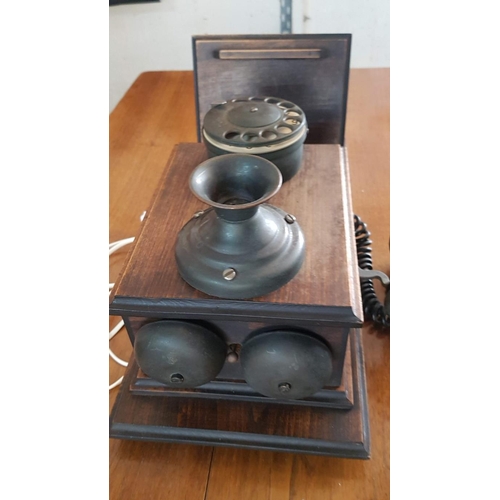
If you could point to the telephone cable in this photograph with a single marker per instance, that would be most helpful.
(373, 309)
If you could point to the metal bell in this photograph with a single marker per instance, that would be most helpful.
(179, 354)
(286, 364)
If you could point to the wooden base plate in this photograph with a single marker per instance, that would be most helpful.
(244, 424)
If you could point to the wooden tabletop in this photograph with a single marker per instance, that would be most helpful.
(158, 112)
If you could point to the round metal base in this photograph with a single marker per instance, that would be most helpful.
(240, 259)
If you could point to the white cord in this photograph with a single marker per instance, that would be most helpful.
(117, 359)
(113, 247)
(116, 329)
(115, 384)
(112, 333)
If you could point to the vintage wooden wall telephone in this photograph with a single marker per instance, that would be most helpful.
(245, 315)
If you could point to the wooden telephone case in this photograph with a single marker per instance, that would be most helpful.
(324, 298)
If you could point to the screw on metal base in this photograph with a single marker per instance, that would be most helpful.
(229, 274)
(176, 378)
(290, 219)
(284, 388)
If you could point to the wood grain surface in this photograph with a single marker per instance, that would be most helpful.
(261, 425)
(156, 113)
(328, 276)
(258, 66)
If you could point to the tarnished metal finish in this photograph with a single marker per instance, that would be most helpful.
(265, 250)
(241, 247)
(179, 354)
(254, 121)
(285, 364)
(272, 128)
(235, 185)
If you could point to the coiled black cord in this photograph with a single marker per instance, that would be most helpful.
(374, 311)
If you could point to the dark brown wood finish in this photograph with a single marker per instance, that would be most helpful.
(312, 430)
(323, 298)
(327, 284)
(155, 114)
(309, 70)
